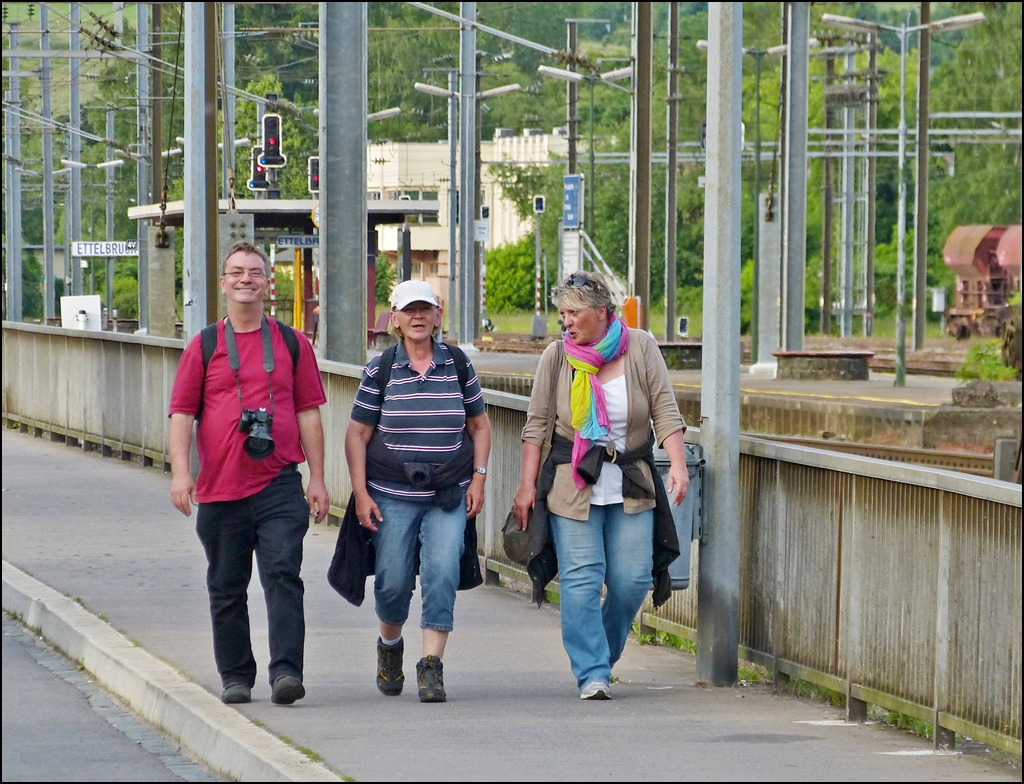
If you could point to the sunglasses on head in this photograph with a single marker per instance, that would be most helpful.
(579, 281)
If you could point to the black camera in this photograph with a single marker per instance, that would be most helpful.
(256, 424)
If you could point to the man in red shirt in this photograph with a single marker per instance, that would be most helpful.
(259, 395)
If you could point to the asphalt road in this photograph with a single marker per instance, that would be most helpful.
(58, 725)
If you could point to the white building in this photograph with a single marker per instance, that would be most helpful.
(419, 171)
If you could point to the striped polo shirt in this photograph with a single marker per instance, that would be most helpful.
(422, 418)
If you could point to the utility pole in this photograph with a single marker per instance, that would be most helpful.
(110, 211)
(849, 114)
(199, 284)
(827, 208)
(478, 247)
(718, 587)
(672, 171)
(142, 194)
(75, 121)
(48, 224)
(13, 182)
(794, 187)
(572, 96)
(869, 297)
(228, 97)
(453, 202)
(467, 177)
(921, 192)
(640, 162)
(343, 220)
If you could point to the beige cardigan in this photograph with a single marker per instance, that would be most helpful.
(650, 399)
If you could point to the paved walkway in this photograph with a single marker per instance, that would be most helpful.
(104, 532)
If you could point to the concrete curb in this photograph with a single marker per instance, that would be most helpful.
(214, 733)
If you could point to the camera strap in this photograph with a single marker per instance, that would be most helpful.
(235, 363)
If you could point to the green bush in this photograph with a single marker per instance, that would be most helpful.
(386, 277)
(510, 277)
(984, 362)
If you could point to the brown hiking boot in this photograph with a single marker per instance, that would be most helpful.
(390, 677)
(430, 678)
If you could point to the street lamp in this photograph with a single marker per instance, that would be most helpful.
(452, 95)
(610, 78)
(775, 51)
(862, 26)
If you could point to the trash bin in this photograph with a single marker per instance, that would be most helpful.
(689, 515)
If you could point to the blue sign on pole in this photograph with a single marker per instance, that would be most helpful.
(571, 218)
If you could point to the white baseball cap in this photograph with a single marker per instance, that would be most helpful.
(410, 291)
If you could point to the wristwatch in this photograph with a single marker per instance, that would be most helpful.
(481, 471)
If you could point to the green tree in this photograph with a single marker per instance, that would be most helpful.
(510, 277)
(386, 275)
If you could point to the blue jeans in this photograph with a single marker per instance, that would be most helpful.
(440, 537)
(271, 523)
(608, 548)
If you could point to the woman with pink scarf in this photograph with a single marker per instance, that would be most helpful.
(596, 509)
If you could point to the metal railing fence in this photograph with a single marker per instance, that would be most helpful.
(896, 585)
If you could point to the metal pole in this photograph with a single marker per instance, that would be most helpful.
(48, 224)
(453, 202)
(671, 172)
(901, 226)
(467, 175)
(827, 206)
(474, 292)
(142, 194)
(110, 212)
(572, 97)
(13, 182)
(75, 121)
(343, 219)
(755, 304)
(640, 162)
(849, 114)
(228, 98)
(921, 191)
(591, 223)
(200, 153)
(210, 144)
(158, 110)
(869, 296)
(718, 594)
(794, 189)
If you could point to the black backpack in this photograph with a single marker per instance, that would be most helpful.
(387, 359)
(208, 342)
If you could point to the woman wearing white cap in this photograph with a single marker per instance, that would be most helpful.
(417, 448)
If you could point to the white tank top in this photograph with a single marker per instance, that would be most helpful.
(608, 489)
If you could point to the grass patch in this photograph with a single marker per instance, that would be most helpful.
(310, 753)
(902, 721)
(665, 639)
(753, 673)
(984, 361)
(285, 739)
(103, 618)
(802, 688)
(552, 597)
(258, 723)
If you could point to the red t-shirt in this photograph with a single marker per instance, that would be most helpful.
(226, 472)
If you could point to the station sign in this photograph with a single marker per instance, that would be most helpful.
(112, 248)
(481, 230)
(572, 198)
(298, 241)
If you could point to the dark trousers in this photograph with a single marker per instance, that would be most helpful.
(271, 523)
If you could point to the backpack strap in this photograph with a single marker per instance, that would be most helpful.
(291, 340)
(208, 343)
(461, 365)
(387, 359)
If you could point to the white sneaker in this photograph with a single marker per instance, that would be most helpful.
(596, 690)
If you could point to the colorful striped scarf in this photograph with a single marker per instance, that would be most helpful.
(589, 409)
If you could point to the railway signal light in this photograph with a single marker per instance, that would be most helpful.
(272, 157)
(313, 172)
(258, 181)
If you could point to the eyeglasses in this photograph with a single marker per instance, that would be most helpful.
(254, 274)
(579, 281)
